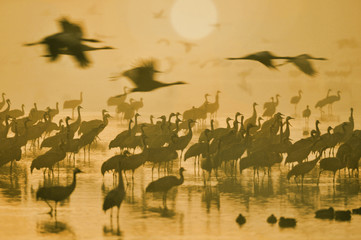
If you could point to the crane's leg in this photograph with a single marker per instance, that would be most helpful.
(72, 114)
(51, 208)
(133, 176)
(165, 200)
(111, 217)
(56, 203)
(118, 215)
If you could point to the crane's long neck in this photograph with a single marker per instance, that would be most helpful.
(254, 115)
(351, 116)
(189, 129)
(120, 179)
(23, 109)
(136, 120)
(181, 179)
(130, 126)
(212, 125)
(287, 131)
(105, 120)
(3, 101)
(217, 98)
(57, 107)
(318, 129)
(228, 125)
(81, 97)
(277, 101)
(73, 184)
(79, 116)
(259, 122)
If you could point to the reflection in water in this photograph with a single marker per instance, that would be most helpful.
(111, 231)
(56, 227)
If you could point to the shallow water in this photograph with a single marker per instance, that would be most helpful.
(195, 212)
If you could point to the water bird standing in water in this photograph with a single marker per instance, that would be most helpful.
(164, 184)
(69, 41)
(115, 197)
(143, 77)
(57, 193)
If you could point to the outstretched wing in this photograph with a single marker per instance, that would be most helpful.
(305, 66)
(143, 74)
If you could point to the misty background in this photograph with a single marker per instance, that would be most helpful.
(324, 28)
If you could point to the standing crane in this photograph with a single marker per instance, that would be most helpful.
(57, 193)
(295, 100)
(72, 104)
(164, 184)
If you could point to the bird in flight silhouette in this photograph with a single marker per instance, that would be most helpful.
(142, 77)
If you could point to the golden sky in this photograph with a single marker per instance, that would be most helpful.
(285, 27)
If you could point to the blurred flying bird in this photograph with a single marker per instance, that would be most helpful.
(302, 63)
(338, 73)
(163, 41)
(347, 43)
(159, 15)
(187, 45)
(70, 39)
(143, 77)
(264, 57)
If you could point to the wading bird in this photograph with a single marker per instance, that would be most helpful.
(164, 184)
(57, 193)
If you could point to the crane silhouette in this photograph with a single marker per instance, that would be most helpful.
(115, 197)
(143, 77)
(72, 104)
(296, 99)
(164, 184)
(264, 57)
(2, 103)
(70, 39)
(83, 47)
(57, 193)
(302, 63)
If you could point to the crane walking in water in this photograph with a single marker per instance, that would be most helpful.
(57, 193)
(115, 197)
(164, 184)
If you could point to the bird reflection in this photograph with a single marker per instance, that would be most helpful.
(54, 227)
(113, 232)
(210, 194)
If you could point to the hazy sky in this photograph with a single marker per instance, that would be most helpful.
(282, 26)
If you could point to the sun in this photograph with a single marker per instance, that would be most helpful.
(193, 19)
